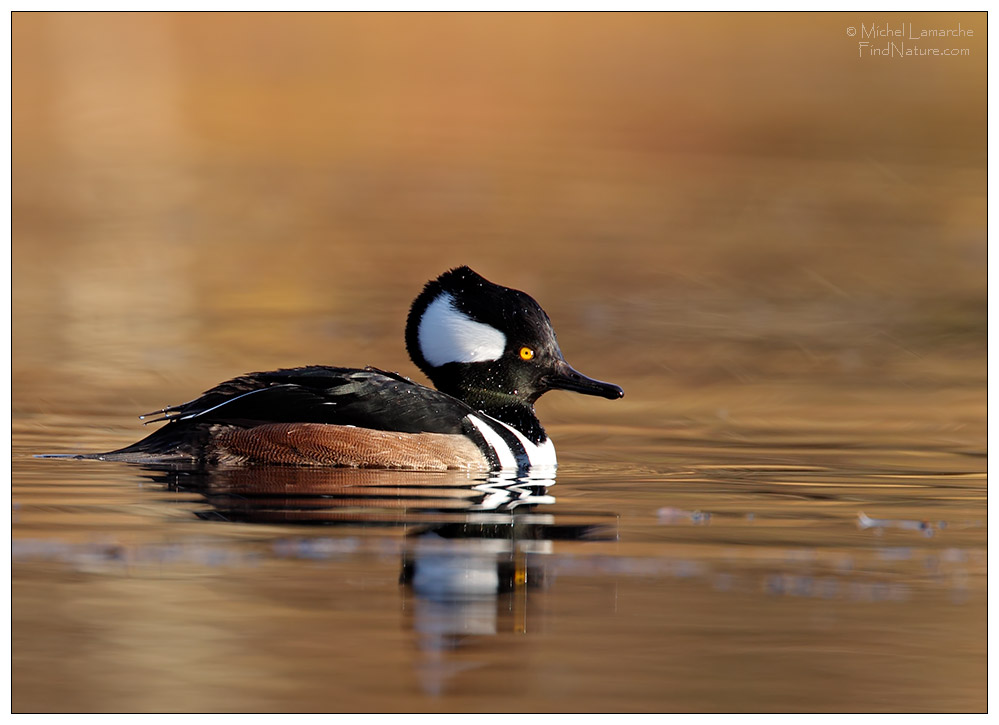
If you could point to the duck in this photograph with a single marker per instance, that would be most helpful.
(490, 352)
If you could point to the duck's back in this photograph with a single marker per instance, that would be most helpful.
(316, 415)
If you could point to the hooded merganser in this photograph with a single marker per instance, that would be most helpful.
(490, 351)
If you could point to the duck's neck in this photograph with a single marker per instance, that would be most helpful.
(510, 408)
(521, 417)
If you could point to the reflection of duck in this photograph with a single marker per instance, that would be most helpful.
(474, 579)
(449, 504)
(490, 350)
(293, 494)
(477, 558)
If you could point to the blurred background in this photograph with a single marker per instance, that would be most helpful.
(773, 239)
(227, 191)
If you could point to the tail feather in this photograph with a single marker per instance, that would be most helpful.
(173, 443)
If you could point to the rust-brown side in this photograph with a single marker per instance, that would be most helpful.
(316, 444)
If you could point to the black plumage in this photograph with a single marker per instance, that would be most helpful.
(363, 398)
(279, 415)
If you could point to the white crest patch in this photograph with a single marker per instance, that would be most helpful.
(448, 335)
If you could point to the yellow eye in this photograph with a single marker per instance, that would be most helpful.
(526, 353)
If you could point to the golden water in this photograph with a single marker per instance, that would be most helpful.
(776, 248)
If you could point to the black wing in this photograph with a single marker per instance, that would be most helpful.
(366, 398)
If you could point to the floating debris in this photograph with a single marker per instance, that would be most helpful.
(866, 522)
(668, 515)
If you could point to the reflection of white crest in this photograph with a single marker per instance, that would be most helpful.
(449, 576)
(447, 334)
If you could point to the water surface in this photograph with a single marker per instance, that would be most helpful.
(787, 510)
(685, 558)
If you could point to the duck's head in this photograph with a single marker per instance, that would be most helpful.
(490, 346)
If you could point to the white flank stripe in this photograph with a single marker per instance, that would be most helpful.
(448, 335)
(542, 456)
(539, 456)
(503, 452)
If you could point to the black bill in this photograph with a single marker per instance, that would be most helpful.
(564, 377)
